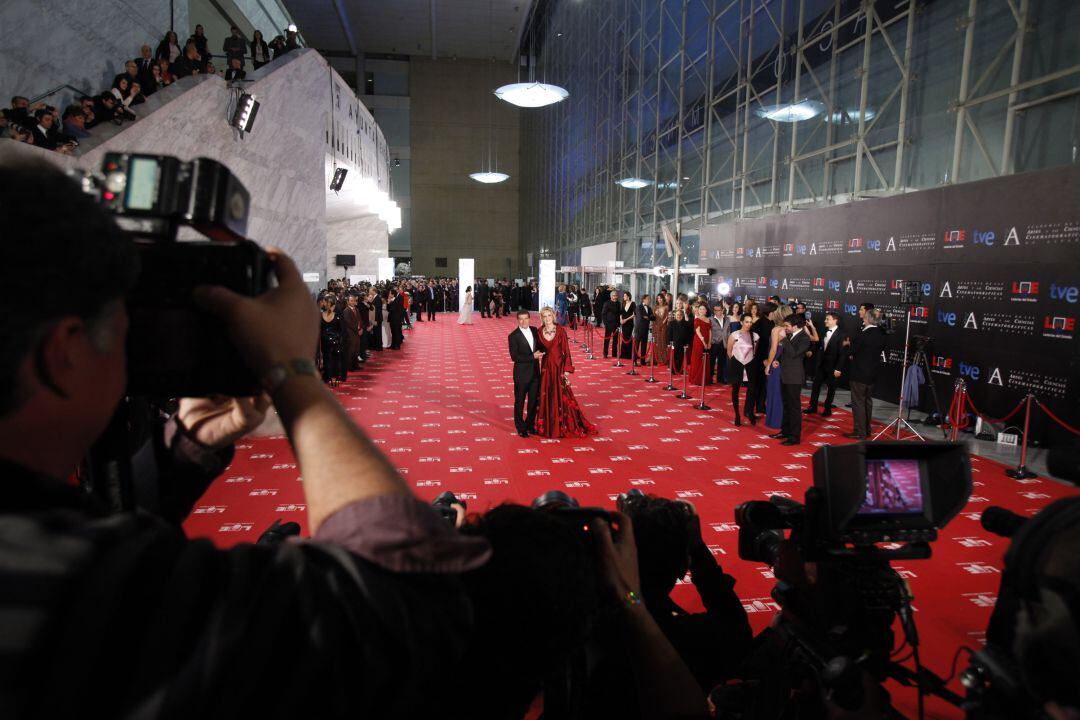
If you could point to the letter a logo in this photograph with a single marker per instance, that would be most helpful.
(1013, 238)
(813, 248)
(850, 287)
(995, 378)
(946, 291)
(891, 247)
(970, 323)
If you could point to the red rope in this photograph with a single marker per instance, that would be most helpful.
(989, 419)
(1056, 419)
(957, 419)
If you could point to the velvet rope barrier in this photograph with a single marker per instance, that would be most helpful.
(1055, 418)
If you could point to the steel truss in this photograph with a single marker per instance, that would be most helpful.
(672, 91)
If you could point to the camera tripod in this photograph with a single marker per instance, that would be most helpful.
(900, 423)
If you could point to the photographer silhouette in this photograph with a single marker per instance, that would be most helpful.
(119, 614)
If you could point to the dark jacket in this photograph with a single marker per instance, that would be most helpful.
(184, 67)
(526, 367)
(612, 309)
(866, 348)
(834, 357)
(643, 316)
(792, 370)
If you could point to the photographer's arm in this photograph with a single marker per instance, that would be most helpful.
(665, 686)
(340, 465)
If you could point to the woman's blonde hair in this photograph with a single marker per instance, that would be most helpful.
(546, 309)
(780, 314)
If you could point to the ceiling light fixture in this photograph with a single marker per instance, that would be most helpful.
(791, 112)
(633, 183)
(489, 178)
(532, 94)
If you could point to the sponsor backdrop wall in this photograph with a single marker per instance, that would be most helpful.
(999, 262)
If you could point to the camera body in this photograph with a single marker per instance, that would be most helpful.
(174, 348)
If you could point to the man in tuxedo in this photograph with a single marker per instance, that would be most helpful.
(831, 358)
(611, 313)
(482, 298)
(526, 352)
(433, 299)
(643, 317)
(395, 313)
(351, 319)
(419, 297)
(792, 378)
(865, 364)
(144, 71)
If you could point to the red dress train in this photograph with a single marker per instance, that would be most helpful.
(559, 414)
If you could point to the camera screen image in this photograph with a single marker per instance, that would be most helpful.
(142, 184)
(893, 487)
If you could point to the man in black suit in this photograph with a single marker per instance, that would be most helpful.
(482, 298)
(144, 71)
(395, 312)
(526, 352)
(643, 317)
(865, 349)
(831, 358)
(792, 378)
(610, 316)
(433, 300)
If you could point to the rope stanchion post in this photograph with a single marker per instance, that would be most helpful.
(618, 343)
(704, 375)
(956, 410)
(684, 395)
(633, 356)
(671, 367)
(1020, 472)
(651, 350)
(588, 342)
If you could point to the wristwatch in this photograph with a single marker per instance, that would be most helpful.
(276, 376)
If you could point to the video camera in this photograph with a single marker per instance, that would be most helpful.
(175, 349)
(870, 503)
(863, 494)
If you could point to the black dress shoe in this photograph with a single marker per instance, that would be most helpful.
(752, 419)
(855, 436)
(826, 413)
(778, 435)
(790, 441)
(523, 433)
(738, 423)
(809, 411)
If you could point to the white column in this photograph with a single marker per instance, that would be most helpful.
(386, 269)
(466, 278)
(546, 287)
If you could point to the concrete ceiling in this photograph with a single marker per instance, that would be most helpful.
(446, 28)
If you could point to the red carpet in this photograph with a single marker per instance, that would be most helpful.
(442, 409)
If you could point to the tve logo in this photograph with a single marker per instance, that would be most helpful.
(800, 249)
(874, 245)
(971, 371)
(851, 309)
(834, 285)
(982, 238)
(1068, 293)
(774, 283)
(947, 317)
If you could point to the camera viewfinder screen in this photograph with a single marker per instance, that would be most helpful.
(893, 487)
(142, 184)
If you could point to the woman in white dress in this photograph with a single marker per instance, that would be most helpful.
(465, 315)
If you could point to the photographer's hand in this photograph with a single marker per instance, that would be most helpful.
(339, 464)
(218, 422)
(666, 688)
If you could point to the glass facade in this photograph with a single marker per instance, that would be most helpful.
(735, 109)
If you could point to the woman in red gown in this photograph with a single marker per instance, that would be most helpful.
(559, 414)
(702, 340)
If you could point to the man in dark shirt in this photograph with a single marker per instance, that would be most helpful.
(234, 47)
(865, 349)
(187, 64)
(121, 615)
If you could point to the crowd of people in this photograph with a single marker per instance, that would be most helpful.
(387, 610)
(46, 126)
(771, 348)
(364, 318)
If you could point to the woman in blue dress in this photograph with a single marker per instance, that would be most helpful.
(774, 404)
